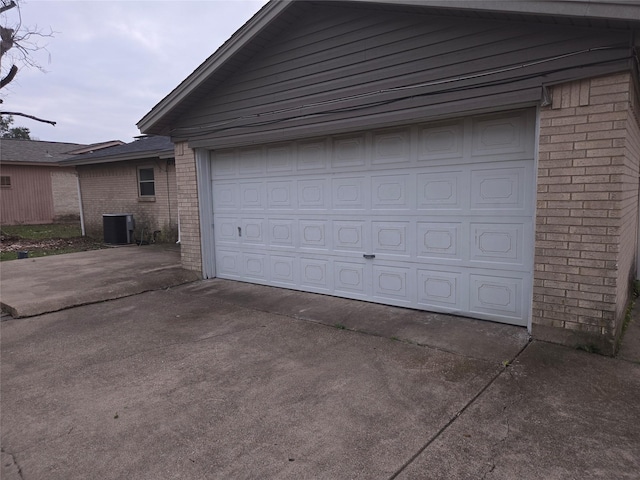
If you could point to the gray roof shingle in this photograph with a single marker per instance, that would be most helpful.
(145, 147)
(35, 151)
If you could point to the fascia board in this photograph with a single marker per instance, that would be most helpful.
(608, 10)
(160, 155)
(224, 53)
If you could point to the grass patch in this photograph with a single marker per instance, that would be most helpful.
(42, 232)
(5, 256)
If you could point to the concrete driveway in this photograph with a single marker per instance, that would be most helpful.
(217, 379)
(33, 286)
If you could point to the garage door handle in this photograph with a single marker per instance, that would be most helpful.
(239, 231)
(369, 257)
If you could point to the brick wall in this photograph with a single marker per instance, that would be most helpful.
(586, 221)
(188, 206)
(113, 188)
(64, 186)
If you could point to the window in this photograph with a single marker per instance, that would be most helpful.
(5, 181)
(146, 182)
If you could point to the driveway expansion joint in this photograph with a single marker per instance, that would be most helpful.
(459, 413)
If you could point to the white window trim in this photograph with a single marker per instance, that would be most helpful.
(140, 195)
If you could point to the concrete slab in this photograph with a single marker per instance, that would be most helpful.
(46, 284)
(219, 379)
(555, 413)
(181, 383)
(479, 339)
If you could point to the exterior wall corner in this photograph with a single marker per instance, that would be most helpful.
(587, 212)
(188, 208)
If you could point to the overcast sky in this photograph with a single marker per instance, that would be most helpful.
(110, 62)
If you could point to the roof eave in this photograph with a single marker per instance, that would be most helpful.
(29, 163)
(616, 10)
(609, 10)
(156, 155)
(224, 53)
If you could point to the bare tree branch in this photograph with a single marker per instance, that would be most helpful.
(12, 73)
(17, 43)
(29, 116)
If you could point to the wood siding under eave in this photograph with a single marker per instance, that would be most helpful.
(29, 199)
(369, 63)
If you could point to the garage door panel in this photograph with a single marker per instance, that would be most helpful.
(497, 243)
(439, 240)
(312, 156)
(283, 270)
(392, 283)
(255, 266)
(252, 231)
(252, 196)
(251, 162)
(390, 238)
(501, 136)
(349, 193)
(225, 163)
(226, 230)
(440, 141)
(349, 278)
(225, 196)
(313, 235)
(392, 147)
(499, 297)
(281, 195)
(281, 233)
(440, 190)
(228, 263)
(437, 217)
(440, 289)
(279, 159)
(393, 192)
(348, 152)
(498, 188)
(349, 235)
(313, 194)
(314, 274)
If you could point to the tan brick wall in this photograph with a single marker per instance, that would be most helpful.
(586, 221)
(64, 186)
(113, 188)
(188, 206)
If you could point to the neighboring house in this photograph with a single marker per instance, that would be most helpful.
(136, 178)
(34, 187)
(474, 158)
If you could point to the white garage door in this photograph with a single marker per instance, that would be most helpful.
(435, 217)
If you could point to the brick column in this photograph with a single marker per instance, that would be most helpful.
(586, 220)
(188, 208)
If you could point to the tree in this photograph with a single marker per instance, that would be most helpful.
(17, 43)
(7, 131)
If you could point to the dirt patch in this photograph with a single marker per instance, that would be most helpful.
(10, 243)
